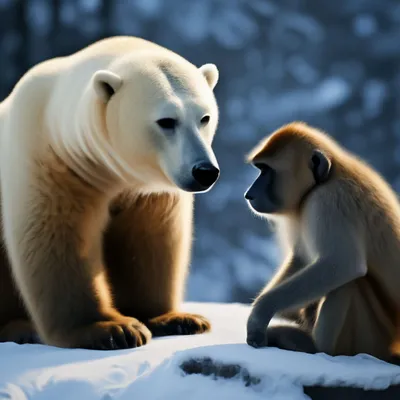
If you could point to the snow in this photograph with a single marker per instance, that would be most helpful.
(365, 25)
(39, 15)
(153, 371)
(233, 29)
(374, 94)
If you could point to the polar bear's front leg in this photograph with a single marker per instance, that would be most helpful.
(52, 228)
(20, 331)
(147, 252)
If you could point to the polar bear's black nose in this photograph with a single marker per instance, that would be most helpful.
(205, 174)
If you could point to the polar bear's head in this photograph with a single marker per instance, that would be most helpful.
(161, 116)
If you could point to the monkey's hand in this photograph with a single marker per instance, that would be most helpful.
(257, 329)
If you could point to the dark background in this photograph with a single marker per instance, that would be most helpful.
(334, 64)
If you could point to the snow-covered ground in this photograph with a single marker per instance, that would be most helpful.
(153, 371)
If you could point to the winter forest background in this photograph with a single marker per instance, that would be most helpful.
(335, 65)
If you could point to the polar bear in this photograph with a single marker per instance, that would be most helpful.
(101, 152)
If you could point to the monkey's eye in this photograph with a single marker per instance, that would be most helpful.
(315, 161)
(167, 123)
(205, 120)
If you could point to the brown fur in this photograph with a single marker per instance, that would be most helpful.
(346, 230)
(118, 257)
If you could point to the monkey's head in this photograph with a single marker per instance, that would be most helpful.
(291, 163)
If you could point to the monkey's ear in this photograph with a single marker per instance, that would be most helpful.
(320, 166)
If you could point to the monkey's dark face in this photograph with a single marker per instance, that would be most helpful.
(284, 181)
(262, 194)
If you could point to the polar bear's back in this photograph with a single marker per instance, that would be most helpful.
(74, 70)
(53, 88)
(117, 45)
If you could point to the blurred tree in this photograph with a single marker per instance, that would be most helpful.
(334, 65)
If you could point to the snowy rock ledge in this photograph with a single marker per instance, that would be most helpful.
(217, 365)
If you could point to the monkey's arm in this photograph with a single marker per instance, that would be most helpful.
(340, 259)
(312, 283)
(292, 264)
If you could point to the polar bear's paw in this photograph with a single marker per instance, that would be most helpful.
(177, 323)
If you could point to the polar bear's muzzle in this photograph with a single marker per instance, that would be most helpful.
(201, 177)
(190, 163)
(204, 176)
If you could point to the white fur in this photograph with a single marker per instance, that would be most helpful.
(101, 79)
(62, 103)
(211, 74)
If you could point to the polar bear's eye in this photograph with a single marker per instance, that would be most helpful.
(167, 123)
(205, 120)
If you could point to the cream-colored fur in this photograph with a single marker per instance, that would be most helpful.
(77, 135)
(341, 223)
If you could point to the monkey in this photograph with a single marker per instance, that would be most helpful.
(338, 221)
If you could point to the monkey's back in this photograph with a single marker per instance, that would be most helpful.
(373, 207)
(374, 204)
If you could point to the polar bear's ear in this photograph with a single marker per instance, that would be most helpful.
(210, 72)
(105, 84)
